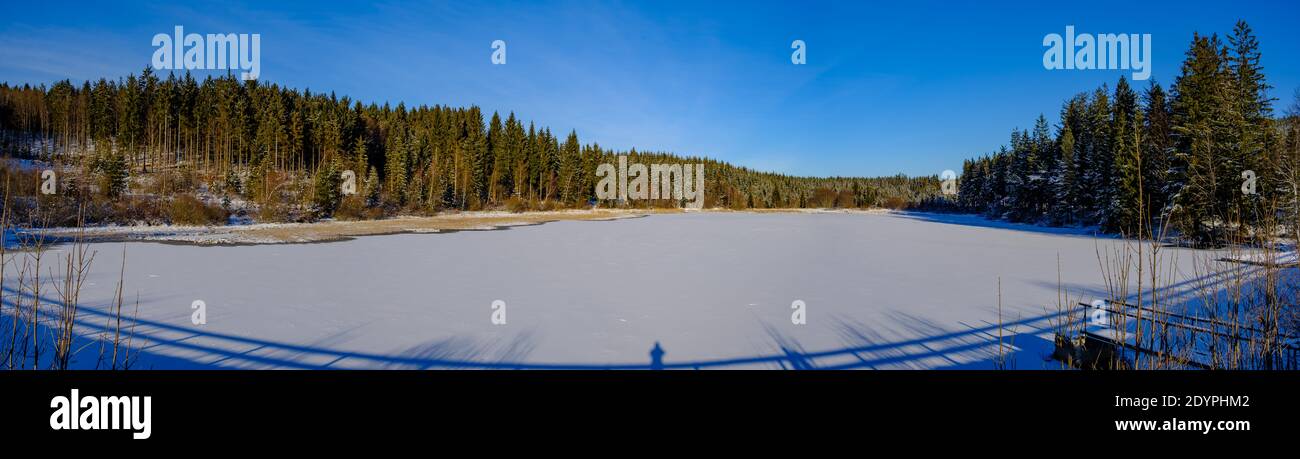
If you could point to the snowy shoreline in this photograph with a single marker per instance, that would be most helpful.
(335, 230)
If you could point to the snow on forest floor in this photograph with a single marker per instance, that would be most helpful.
(714, 289)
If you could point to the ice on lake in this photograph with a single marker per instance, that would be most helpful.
(714, 289)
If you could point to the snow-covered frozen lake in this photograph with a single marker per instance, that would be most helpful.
(881, 291)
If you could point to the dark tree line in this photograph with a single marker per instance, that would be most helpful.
(421, 158)
(1204, 157)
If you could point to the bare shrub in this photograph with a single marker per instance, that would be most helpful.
(188, 210)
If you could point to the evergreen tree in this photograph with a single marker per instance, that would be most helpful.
(1076, 192)
(1251, 120)
(396, 167)
(1044, 160)
(1099, 172)
(475, 145)
(1156, 150)
(499, 179)
(326, 188)
(1063, 179)
(570, 168)
(1203, 166)
(1125, 208)
(113, 174)
(372, 188)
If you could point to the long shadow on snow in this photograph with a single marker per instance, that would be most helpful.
(936, 347)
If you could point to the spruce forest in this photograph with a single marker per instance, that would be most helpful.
(186, 151)
(1204, 159)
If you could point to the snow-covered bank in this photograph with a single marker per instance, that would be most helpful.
(882, 290)
(329, 230)
(334, 230)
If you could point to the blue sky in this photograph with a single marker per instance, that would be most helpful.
(911, 87)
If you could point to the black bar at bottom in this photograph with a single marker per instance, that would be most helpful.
(470, 406)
